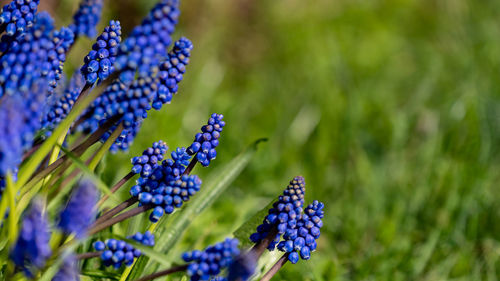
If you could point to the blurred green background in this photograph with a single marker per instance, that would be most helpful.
(390, 109)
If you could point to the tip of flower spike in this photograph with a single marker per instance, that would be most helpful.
(183, 45)
(211, 261)
(150, 159)
(80, 212)
(87, 17)
(98, 64)
(205, 143)
(118, 252)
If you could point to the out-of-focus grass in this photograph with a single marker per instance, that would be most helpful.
(390, 109)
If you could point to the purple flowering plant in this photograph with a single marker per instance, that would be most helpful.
(59, 220)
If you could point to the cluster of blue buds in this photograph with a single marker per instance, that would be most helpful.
(34, 105)
(208, 263)
(80, 211)
(171, 72)
(302, 239)
(15, 18)
(133, 105)
(125, 140)
(169, 170)
(147, 45)
(135, 101)
(62, 39)
(28, 59)
(204, 143)
(284, 214)
(32, 248)
(150, 159)
(86, 18)
(60, 109)
(10, 135)
(97, 109)
(116, 252)
(243, 267)
(167, 196)
(98, 64)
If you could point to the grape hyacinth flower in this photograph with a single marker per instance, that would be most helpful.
(166, 196)
(86, 18)
(134, 102)
(28, 60)
(204, 143)
(171, 72)
(10, 134)
(15, 18)
(116, 252)
(60, 108)
(80, 212)
(32, 248)
(68, 271)
(284, 213)
(169, 171)
(150, 159)
(98, 64)
(302, 239)
(147, 44)
(243, 267)
(62, 39)
(209, 262)
(33, 107)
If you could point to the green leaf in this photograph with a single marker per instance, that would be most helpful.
(13, 219)
(8, 202)
(101, 274)
(88, 173)
(105, 147)
(171, 232)
(250, 226)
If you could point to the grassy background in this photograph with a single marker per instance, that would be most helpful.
(390, 109)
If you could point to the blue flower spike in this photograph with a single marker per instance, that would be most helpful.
(166, 196)
(204, 143)
(86, 18)
(210, 262)
(302, 240)
(148, 42)
(11, 128)
(29, 59)
(150, 159)
(98, 64)
(16, 17)
(59, 109)
(80, 211)
(284, 214)
(68, 271)
(243, 267)
(171, 72)
(32, 248)
(118, 252)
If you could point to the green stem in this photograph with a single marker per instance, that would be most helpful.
(121, 217)
(276, 267)
(163, 273)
